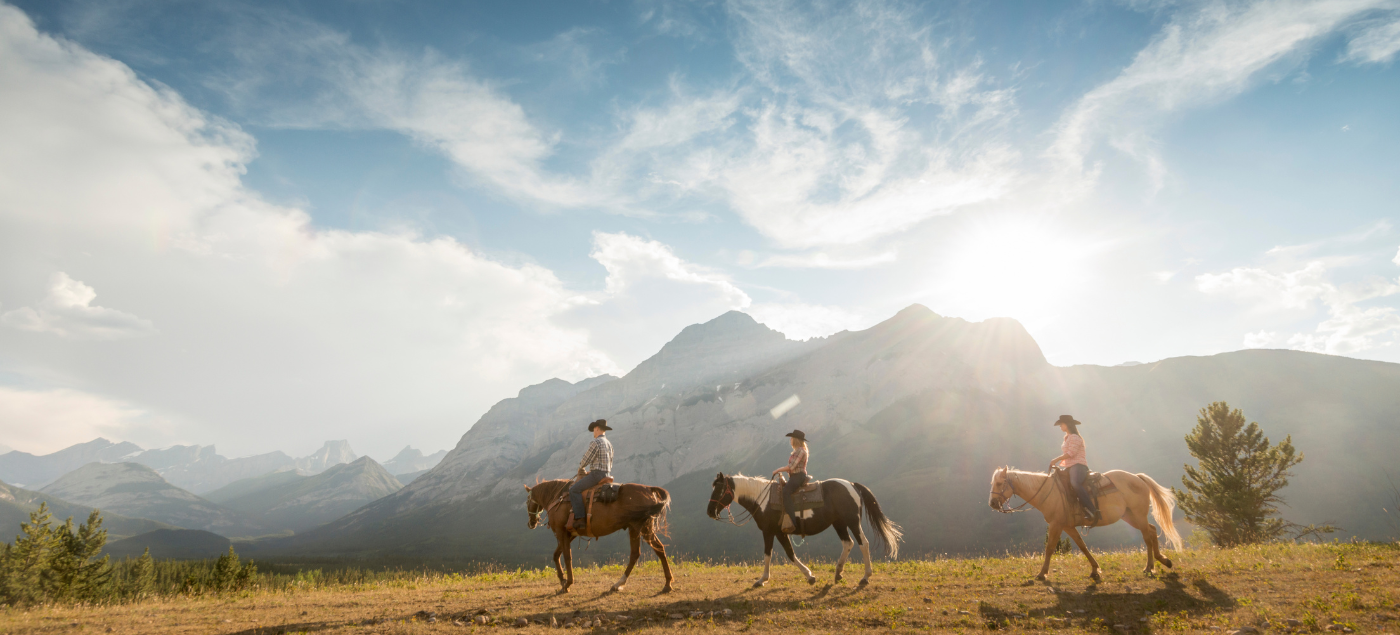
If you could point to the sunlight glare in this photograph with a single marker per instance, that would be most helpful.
(1013, 267)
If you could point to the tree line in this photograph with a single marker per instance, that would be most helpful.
(60, 564)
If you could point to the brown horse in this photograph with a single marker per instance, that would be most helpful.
(640, 509)
(1136, 494)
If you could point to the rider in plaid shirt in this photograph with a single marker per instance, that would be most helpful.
(595, 466)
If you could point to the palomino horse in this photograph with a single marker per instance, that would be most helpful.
(640, 509)
(843, 504)
(1136, 493)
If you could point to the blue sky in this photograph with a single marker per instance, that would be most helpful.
(265, 225)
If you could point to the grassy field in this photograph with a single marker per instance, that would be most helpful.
(1278, 588)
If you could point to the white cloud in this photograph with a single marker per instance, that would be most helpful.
(1396, 260)
(1350, 326)
(1377, 43)
(823, 260)
(67, 311)
(803, 321)
(630, 259)
(1290, 290)
(1260, 339)
(274, 334)
(1201, 57)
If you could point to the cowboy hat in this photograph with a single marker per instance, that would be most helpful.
(601, 423)
(797, 434)
(1068, 420)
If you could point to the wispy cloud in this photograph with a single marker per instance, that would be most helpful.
(1376, 43)
(1352, 325)
(1202, 56)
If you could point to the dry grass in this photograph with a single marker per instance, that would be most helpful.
(1353, 586)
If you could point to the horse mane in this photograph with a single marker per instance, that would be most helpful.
(549, 491)
(752, 488)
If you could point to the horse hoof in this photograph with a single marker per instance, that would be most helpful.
(618, 589)
(864, 581)
(1167, 562)
(1095, 577)
(1040, 578)
(759, 584)
(812, 580)
(666, 589)
(838, 579)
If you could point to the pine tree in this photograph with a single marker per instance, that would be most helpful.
(23, 565)
(74, 573)
(1233, 493)
(143, 576)
(226, 571)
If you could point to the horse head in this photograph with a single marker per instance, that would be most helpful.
(1001, 488)
(533, 508)
(721, 495)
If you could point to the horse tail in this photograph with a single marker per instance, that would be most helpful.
(659, 511)
(887, 533)
(1163, 502)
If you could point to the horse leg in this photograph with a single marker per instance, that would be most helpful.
(1093, 564)
(1052, 540)
(767, 558)
(792, 557)
(635, 537)
(845, 549)
(660, 551)
(1149, 538)
(864, 551)
(559, 551)
(569, 562)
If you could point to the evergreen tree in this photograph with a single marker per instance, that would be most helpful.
(143, 576)
(24, 564)
(1233, 493)
(75, 573)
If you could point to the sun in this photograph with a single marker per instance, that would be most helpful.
(1013, 267)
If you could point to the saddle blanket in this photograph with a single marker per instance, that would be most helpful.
(809, 496)
(1098, 488)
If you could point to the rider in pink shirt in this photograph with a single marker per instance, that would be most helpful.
(1072, 459)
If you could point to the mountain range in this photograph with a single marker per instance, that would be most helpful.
(198, 468)
(16, 503)
(921, 408)
(292, 501)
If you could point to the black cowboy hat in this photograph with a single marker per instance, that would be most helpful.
(601, 423)
(797, 434)
(1067, 419)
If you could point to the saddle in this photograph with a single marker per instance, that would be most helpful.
(606, 491)
(1098, 487)
(809, 496)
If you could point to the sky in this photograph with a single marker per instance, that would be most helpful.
(266, 225)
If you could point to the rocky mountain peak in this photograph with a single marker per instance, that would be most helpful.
(731, 345)
(332, 453)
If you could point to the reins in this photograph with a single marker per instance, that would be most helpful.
(1022, 507)
(729, 490)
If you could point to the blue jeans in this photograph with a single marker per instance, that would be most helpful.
(1078, 474)
(576, 490)
(795, 482)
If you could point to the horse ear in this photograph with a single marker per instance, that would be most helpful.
(527, 488)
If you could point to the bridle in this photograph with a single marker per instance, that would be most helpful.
(535, 515)
(729, 492)
(1006, 498)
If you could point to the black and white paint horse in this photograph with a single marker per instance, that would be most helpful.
(843, 504)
